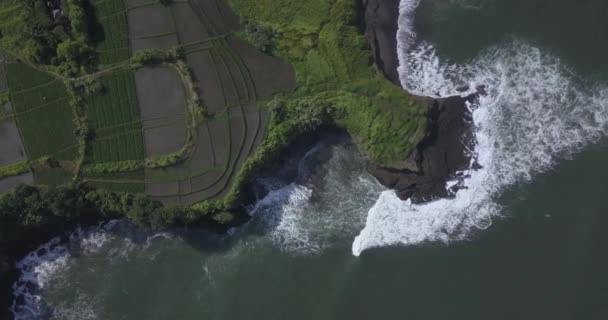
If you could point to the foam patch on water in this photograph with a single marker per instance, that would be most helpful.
(46, 267)
(536, 112)
(318, 211)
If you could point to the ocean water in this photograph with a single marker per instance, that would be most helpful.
(525, 240)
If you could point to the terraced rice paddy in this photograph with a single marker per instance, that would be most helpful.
(227, 80)
(114, 116)
(146, 113)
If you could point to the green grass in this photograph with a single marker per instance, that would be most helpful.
(115, 118)
(114, 43)
(43, 114)
(320, 38)
(14, 169)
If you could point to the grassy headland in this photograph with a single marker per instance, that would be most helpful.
(332, 62)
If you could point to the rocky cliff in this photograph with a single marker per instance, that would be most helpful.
(444, 151)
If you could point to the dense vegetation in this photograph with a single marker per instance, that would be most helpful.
(320, 38)
(52, 33)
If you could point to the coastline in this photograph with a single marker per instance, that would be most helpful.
(443, 152)
(438, 156)
(380, 24)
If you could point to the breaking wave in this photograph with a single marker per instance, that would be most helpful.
(49, 265)
(326, 204)
(536, 112)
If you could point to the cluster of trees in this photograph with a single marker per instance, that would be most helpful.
(59, 34)
(260, 36)
(38, 208)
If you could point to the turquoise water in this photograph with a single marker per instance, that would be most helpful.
(526, 240)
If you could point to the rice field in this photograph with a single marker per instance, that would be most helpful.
(113, 38)
(43, 114)
(225, 73)
(114, 116)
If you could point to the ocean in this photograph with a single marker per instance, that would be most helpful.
(524, 240)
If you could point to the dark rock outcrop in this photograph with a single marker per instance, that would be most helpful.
(379, 23)
(443, 152)
(440, 156)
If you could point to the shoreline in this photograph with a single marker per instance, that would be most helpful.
(443, 153)
(438, 156)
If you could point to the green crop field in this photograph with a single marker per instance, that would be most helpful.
(53, 177)
(43, 113)
(119, 187)
(113, 40)
(115, 118)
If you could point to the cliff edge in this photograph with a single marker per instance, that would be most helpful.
(444, 151)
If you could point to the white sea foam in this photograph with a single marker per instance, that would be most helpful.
(318, 211)
(51, 261)
(536, 112)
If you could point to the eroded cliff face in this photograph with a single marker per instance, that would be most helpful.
(445, 150)
(440, 156)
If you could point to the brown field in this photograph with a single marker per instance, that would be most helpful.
(137, 3)
(270, 74)
(9, 183)
(163, 42)
(150, 21)
(189, 27)
(203, 156)
(206, 77)
(162, 104)
(219, 132)
(11, 147)
(162, 189)
(217, 13)
(160, 92)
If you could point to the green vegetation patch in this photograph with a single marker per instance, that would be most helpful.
(115, 119)
(320, 38)
(112, 40)
(14, 169)
(43, 114)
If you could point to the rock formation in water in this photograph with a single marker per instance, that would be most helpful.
(444, 152)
